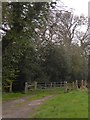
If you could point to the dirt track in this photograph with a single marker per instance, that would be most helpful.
(21, 108)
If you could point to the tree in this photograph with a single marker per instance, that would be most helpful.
(19, 23)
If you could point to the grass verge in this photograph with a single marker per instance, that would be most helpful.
(32, 95)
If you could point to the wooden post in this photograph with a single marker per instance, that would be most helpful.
(26, 87)
(82, 84)
(35, 85)
(11, 87)
(73, 85)
(66, 87)
(45, 85)
(76, 84)
(60, 84)
(51, 84)
(54, 84)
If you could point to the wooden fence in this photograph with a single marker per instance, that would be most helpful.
(44, 85)
(67, 86)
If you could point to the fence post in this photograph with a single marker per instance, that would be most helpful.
(66, 87)
(51, 84)
(35, 85)
(76, 84)
(11, 87)
(60, 84)
(82, 84)
(45, 84)
(26, 87)
(73, 85)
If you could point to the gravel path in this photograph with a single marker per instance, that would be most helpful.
(21, 108)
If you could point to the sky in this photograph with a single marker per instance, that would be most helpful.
(80, 6)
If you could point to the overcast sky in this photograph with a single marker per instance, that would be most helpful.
(80, 6)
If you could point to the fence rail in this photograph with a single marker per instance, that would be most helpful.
(67, 86)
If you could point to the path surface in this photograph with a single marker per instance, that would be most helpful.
(21, 108)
